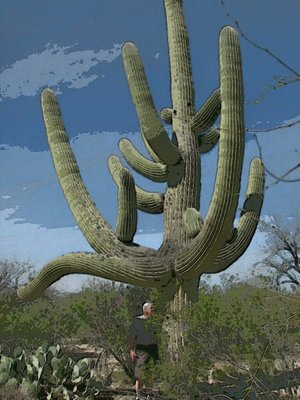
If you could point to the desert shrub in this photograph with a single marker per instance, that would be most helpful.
(238, 333)
(238, 329)
(103, 314)
(12, 393)
(26, 324)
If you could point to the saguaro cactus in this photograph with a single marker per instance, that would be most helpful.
(191, 245)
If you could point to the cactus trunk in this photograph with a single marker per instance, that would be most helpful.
(186, 194)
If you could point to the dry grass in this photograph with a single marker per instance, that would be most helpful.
(12, 393)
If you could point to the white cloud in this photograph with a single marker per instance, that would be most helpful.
(153, 240)
(21, 241)
(43, 202)
(24, 241)
(6, 197)
(52, 67)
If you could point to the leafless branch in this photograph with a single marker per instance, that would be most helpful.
(275, 128)
(270, 53)
(273, 322)
(223, 395)
(258, 382)
(285, 324)
(286, 297)
(278, 178)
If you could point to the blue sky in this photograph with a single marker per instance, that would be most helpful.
(74, 47)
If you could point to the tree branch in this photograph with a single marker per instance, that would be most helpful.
(275, 128)
(270, 53)
(278, 178)
(248, 390)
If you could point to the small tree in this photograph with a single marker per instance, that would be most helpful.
(283, 250)
(13, 274)
(103, 313)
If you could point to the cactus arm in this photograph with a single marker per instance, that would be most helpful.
(115, 167)
(193, 222)
(166, 115)
(127, 211)
(208, 140)
(218, 223)
(191, 288)
(149, 202)
(248, 221)
(96, 230)
(157, 172)
(153, 155)
(208, 113)
(182, 88)
(255, 190)
(153, 131)
(141, 272)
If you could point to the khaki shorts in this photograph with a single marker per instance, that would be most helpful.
(143, 359)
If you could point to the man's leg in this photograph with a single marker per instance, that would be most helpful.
(139, 368)
(149, 377)
(138, 386)
(151, 362)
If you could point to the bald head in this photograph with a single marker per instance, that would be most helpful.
(148, 309)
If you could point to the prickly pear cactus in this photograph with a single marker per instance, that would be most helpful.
(192, 244)
(48, 373)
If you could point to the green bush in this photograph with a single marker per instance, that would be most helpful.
(238, 328)
(104, 314)
(237, 332)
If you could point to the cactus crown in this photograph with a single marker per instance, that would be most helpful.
(192, 245)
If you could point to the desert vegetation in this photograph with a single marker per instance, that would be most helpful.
(240, 340)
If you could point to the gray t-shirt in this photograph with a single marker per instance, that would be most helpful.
(144, 333)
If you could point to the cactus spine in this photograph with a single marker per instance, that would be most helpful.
(191, 246)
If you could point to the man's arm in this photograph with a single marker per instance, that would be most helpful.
(132, 342)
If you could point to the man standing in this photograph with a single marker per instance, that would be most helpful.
(143, 346)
